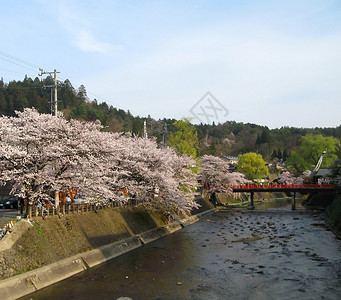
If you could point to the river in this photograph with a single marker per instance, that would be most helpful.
(233, 254)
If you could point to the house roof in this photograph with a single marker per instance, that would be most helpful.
(323, 172)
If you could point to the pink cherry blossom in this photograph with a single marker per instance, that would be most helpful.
(41, 154)
(216, 173)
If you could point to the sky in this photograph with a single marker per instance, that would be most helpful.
(272, 63)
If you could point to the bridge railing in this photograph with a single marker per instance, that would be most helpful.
(282, 186)
(270, 186)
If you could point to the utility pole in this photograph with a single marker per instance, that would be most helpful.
(163, 132)
(55, 93)
(54, 104)
(145, 134)
(54, 110)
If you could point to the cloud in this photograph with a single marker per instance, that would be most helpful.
(266, 64)
(86, 41)
(248, 70)
(79, 28)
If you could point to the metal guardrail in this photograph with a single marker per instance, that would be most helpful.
(35, 211)
(45, 211)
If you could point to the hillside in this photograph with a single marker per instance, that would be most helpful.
(230, 138)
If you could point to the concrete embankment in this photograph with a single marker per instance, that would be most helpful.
(330, 202)
(333, 215)
(54, 249)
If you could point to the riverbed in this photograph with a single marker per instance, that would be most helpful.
(233, 254)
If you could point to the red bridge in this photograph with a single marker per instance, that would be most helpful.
(293, 188)
(282, 187)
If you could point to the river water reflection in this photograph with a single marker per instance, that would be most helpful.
(282, 203)
(233, 254)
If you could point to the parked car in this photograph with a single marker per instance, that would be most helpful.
(80, 199)
(9, 203)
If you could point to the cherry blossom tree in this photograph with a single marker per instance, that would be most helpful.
(153, 176)
(216, 173)
(41, 154)
(289, 178)
(305, 176)
(48, 154)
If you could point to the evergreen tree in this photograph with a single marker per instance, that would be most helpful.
(265, 136)
(3, 103)
(279, 154)
(274, 154)
(285, 155)
(137, 128)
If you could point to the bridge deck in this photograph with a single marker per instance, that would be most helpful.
(278, 187)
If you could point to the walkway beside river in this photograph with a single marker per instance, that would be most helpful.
(235, 254)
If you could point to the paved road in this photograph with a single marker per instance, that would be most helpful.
(7, 215)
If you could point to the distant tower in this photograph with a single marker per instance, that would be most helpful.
(145, 134)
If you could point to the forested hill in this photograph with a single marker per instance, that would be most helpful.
(230, 138)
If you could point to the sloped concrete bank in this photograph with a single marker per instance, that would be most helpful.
(333, 215)
(55, 249)
(330, 202)
(319, 200)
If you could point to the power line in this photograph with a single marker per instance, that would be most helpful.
(23, 87)
(8, 70)
(18, 64)
(96, 96)
(17, 59)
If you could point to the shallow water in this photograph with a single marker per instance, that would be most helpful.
(234, 254)
(282, 203)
